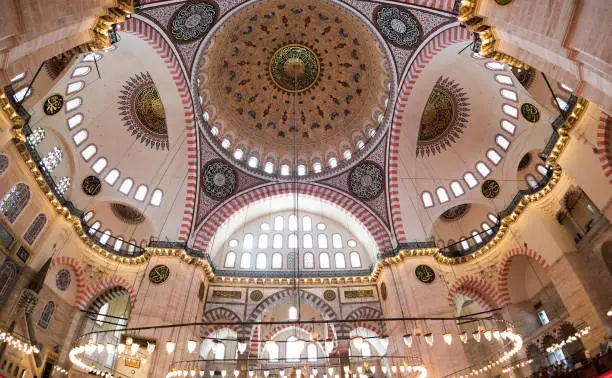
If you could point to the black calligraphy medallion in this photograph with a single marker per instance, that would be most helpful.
(425, 274)
(490, 189)
(91, 185)
(530, 112)
(53, 104)
(159, 274)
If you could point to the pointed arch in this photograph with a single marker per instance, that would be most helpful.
(604, 147)
(76, 268)
(35, 228)
(363, 313)
(478, 289)
(101, 287)
(220, 315)
(504, 269)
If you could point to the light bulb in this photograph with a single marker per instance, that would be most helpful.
(402, 369)
(100, 348)
(394, 369)
(134, 348)
(192, 372)
(359, 369)
(464, 337)
(329, 346)
(211, 372)
(202, 372)
(315, 371)
(346, 369)
(236, 373)
(223, 373)
(384, 369)
(373, 369)
(330, 371)
(448, 338)
(129, 341)
(476, 335)
(357, 342)
(487, 335)
(408, 340)
(429, 338)
(497, 335)
(251, 373)
(150, 347)
(281, 372)
(191, 345)
(242, 346)
(266, 373)
(170, 345)
(298, 372)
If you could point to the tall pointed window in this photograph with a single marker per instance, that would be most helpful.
(35, 228)
(47, 315)
(230, 260)
(15, 201)
(277, 261)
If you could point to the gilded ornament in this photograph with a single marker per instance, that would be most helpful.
(425, 273)
(256, 295)
(219, 179)
(490, 188)
(366, 180)
(294, 68)
(329, 295)
(192, 21)
(383, 291)
(398, 26)
(127, 214)
(159, 274)
(530, 112)
(225, 294)
(53, 104)
(355, 294)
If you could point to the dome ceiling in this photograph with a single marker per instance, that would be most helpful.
(290, 78)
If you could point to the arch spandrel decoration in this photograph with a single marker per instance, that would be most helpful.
(75, 265)
(219, 315)
(478, 289)
(207, 228)
(115, 286)
(504, 270)
(604, 147)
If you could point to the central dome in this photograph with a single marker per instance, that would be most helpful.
(299, 83)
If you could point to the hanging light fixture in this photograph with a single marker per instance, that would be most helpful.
(150, 347)
(330, 371)
(357, 342)
(251, 373)
(329, 346)
(266, 373)
(242, 346)
(429, 338)
(408, 340)
(281, 372)
(236, 373)
(476, 336)
(360, 369)
(384, 369)
(170, 346)
(464, 337)
(191, 345)
(298, 373)
(211, 372)
(315, 371)
(346, 369)
(496, 335)
(384, 340)
(121, 348)
(394, 369)
(402, 369)
(223, 373)
(448, 338)
(134, 348)
(202, 372)
(192, 372)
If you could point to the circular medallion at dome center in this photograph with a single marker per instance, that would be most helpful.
(294, 68)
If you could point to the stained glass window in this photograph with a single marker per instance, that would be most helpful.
(35, 228)
(4, 162)
(53, 159)
(62, 279)
(47, 314)
(15, 201)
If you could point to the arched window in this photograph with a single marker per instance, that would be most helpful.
(291, 350)
(80, 137)
(245, 261)
(260, 261)
(508, 126)
(531, 181)
(47, 315)
(337, 241)
(105, 236)
(284, 170)
(339, 260)
(503, 79)
(562, 103)
(22, 94)
(308, 260)
(81, 71)
(102, 313)
(427, 199)
(366, 351)
(502, 141)
(15, 201)
(566, 88)
(476, 237)
(238, 154)
(307, 241)
(118, 244)
(312, 352)
(293, 224)
(35, 228)
(225, 143)
(253, 162)
(99, 165)
(262, 243)
(485, 226)
(272, 352)
(278, 223)
(509, 95)
(36, 136)
(89, 152)
(220, 351)
(323, 260)
(360, 143)
(442, 195)
(301, 170)
(73, 104)
(277, 243)
(322, 241)
(269, 167)
(88, 216)
(355, 260)
(493, 156)
(470, 179)
(293, 313)
(53, 159)
(493, 218)
(141, 193)
(483, 169)
(456, 188)
(74, 121)
(277, 261)
(230, 260)
(126, 186)
(292, 241)
(94, 227)
(8, 277)
(464, 244)
(247, 243)
(495, 66)
(347, 154)
(316, 167)
(510, 110)
(542, 169)
(156, 197)
(306, 223)
(18, 77)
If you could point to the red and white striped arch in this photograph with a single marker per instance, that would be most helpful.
(444, 39)
(478, 289)
(443, 5)
(97, 288)
(207, 229)
(604, 139)
(76, 268)
(504, 270)
(154, 38)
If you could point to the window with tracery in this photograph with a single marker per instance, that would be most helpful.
(35, 228)
(53, 159)
(15, 201)
(47, 315)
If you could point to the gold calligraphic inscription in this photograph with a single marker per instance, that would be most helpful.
(132, 362)
(226, 294)
(53, 104)
(353, 294)
(490, 189)
(159, 274)
(425, 274)
(91, 185)
(294, 68)
(530, 112)
(383, 291)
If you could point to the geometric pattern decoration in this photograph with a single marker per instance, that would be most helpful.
(398, 26)
(219, 180)
(504, 269)
(366, 180)
(294, 68)
(450, 36)
(142, 111)
(604, 144)
(79, 274)
(207, 228)
(476, 288)
(62, 279)
(445, 116)
(148, 34)
(100, 287)
(192, 21)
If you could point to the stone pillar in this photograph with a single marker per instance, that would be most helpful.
(172, 302)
